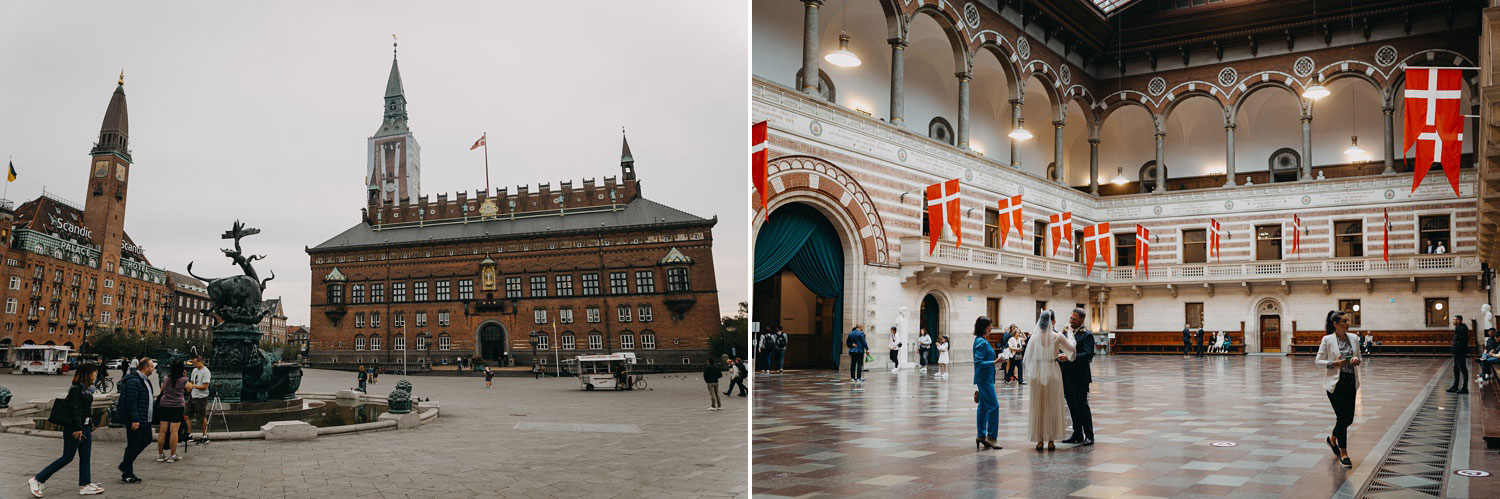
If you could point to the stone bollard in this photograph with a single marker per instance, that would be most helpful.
(405, 421)
(289, 430)
(348, 394)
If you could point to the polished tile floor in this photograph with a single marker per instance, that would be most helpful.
(1157, 422)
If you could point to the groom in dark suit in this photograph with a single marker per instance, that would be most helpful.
(1076, 378)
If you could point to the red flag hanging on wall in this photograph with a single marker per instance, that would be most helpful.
(1386, 246)
(942, 207)
(1213, 237)
(1096, 241)
(1143, 249)
(1432, 110)
(1296, 233)
(1062, 228)
(1010, 216)
(759, 159)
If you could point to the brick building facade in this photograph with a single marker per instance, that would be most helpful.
(189, 296)
(512, 276)
(69, 269)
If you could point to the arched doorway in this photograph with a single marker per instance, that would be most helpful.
(931, 320)
(1268, 324)
(492, 341)
(799, 284)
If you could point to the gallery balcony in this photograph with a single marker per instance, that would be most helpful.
(955, 264)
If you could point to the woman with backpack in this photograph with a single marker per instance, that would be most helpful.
(173, 405)
(74, 415)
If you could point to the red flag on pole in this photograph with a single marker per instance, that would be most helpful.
(1010, 215)
(482, 142)
(1296, 233)
(942, 207)
(1432, 110)
(1096, 241)
(1062, 228)
(1386, 246)
(478, 143)
(1213, 237)
(1143, 249)
(759, 159)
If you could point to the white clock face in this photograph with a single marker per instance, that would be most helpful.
(120, 172)
(390, 187)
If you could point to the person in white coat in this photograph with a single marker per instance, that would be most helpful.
(942, 348)
(1047, 420)
(1339, 356)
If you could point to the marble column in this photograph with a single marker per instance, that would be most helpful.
(1229, 155)
(1015, 122)
(898, 81)
(1094, 166)
(1161, 168)
(963, 109)
(1057, 150)
(1306, 147)
(810, 77)
(1390, 140)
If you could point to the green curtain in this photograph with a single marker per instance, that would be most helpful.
(800, 239)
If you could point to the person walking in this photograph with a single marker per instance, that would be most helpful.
(198, 381)
(857, 351)
(135, 412)
(173, 401)
(77, 433)
(1339, 357)
(363, 376)
(895, 347)
(737, 374)
(1076, 377)
(711, 375)
(924, 343)
(489, 377)
(536, 369)
(988, 418)
(943, 360)
(763, 353)
(1460, 356)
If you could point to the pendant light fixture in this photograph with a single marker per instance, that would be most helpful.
(843, 57)
(1317, 90)
(1120, 176)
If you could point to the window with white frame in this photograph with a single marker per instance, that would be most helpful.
(592, 312)
(591, 284)
(513, 287)
(564, 285)
(568, 341)
(419, 291)
(442, 290)
(359, 320)
(466, 289)
(107, 299)
(541, 342)
(421, 342)
(377, 293)
(645, 281)
(398, 319)
(15, 282)
(443, 317)
(627, 341)
(677, 279)
(539, 315)
(421, 319)
(624, 312)
(374, 343)
(539, 286)
(618, 284)
(359, 342)
(596, 341)
(648, 340)
(399, 343)
(643, 313)
(565, 315)
(10, 305)
(444, 342)
(398, 292)
(374, 319)
(357, 293)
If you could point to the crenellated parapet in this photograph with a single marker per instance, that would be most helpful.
(525, 200)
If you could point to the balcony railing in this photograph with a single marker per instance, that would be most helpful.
(989, 260)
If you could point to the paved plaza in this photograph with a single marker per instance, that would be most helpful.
(1166, 426)
(523, 438)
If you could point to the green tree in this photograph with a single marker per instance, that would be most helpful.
(731, 338)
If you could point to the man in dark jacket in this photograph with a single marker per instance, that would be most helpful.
(1187, 340)
(857, 350)
(711, 374)
(1076, 378)
(1460, 356)
(135, 413)
(1202, 339)
(737, 374)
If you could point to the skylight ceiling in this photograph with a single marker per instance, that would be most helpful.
(1109, 6)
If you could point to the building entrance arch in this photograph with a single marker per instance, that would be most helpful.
(1267, 337)
(492, 341)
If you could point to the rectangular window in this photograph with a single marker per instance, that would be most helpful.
(992, 309)
(374, 319)
(421, 342)
(1195, 246)
(442, 290)
(565, 315)
(357, 293)
(1436, 236)
(645, 281)
(513, 287)
(1268, 242)
(624, 312)
(991, 228)
(1038, 238)
(1349, 239)
(108, 299)
(398, 343)
(419, 291)
(567, 342)
(627, 341)
(590, 284)
(398, 292)
(1124, 316)
(359, 320)
(443, 318)
(539, 286)
(677, 279)
(109, 283)
(596, 341)
(466, 289)
(398, 319)
(1124, 249)
(618, 283)
(1351, 310)
(1040, 306)
(1437, 312)
(374, 343)
(10, 305)
(643, 313)
(377, 293)
(104, 316)
(648, 341)
(592, 313)
(359, 342)
(1193, 313)
(421, 319)
(444, 342)
(541, 343)
(565, 285)
(335, 293)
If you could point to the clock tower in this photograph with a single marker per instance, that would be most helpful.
(393, 173)
(108, 181)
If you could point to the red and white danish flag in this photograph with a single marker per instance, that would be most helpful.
(1062, 228)
(1213, 237)
(1143, 250)
(1296, 233)
(479, 143)
(1432, 107)
(1096, 241)
(943, 206)
(1386, 246)
(759, 159)
(1010, 216)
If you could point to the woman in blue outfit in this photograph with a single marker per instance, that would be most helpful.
(984, 383)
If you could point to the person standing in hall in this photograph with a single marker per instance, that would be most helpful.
(135, 412)
(1187, 340)
(943, 360)
(778, 347)
(711, 374)
(924, 343)
(1340, 359)
(1047, 421)
(77, 434)
(1460, 356)
(988, 417)
(895, 347)
(857, 350)
(1018, 342)
(1076, 377)
(1202, 340)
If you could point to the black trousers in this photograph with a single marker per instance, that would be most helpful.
(857, 365)
(896, 359)
(135, 442)
(1202, 350)
(1077, 395)
(737, 380)
(1342, 398)
(1187, 347)
(1461, 370)
(1014, 370)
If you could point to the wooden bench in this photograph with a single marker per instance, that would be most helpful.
(1489, 413)
(1431, 343)
(1167, 342)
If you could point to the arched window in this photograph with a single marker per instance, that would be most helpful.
(1148, 176)
(1284, 164)
(648, 340)
(825, 85)
(359, 342)
(627, 340)
(596, 341)
(940, 130)
(399, 343)
(568, 342)
(444, 342)
(374, 343)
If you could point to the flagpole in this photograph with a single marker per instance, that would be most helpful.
(486, 137)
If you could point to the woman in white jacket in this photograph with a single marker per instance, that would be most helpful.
(1339, 356)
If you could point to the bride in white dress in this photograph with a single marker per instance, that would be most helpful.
(1048, 420)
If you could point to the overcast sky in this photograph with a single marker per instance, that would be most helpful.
(260, 111)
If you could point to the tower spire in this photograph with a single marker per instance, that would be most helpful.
(114, 132)
(395, 100)
(627, 162)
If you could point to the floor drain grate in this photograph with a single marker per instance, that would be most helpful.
(1418, 462)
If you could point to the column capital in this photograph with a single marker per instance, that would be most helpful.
(964, 75)
(1160, 133)
(812, 3)
(1094, 141)
(1388, 110)
(1059, 123)
(1231, 126)
(898, 43)
(1017, 102)
(1306, 118)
